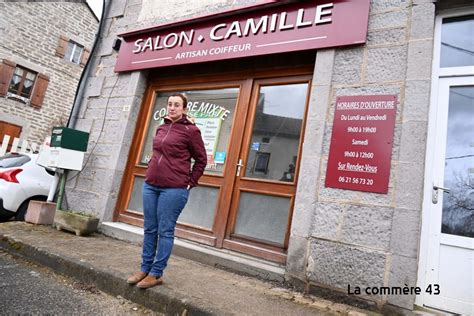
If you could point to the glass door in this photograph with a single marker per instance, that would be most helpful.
(266, 171)
(214, 108)
(450, 270)
(252, 130)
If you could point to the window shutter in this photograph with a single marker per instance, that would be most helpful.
(85, 56)
(62, 45)
(6, 72)
(39, 90)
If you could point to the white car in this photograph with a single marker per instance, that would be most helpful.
(21, 180)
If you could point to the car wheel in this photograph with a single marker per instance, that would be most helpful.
(20, 214)
(5, 217)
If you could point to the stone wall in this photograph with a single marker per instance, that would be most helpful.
(338, 237)
(118, 98)
(342, 237)
(29, 35)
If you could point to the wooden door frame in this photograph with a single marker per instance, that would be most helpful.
(134, 168)
(252, 246)
(245, 81)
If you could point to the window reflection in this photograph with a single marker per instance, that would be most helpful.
(457, 42)
(276, 132)
(458, 205)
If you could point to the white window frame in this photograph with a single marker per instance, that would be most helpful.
(439, 72)
(76, 45)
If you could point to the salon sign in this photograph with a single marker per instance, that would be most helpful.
(281, 28)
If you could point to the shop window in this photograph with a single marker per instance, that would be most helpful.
(72, 51)
(22, 84)
(212, 111)
(457, 42)
(276, 132)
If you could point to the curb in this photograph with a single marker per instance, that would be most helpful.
(105, 281)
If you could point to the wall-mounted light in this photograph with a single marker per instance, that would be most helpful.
(116, 44)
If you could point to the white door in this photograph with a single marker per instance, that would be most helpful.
(450, 258)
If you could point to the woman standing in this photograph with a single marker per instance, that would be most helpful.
(166, 189)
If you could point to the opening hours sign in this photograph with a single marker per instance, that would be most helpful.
(361, 143)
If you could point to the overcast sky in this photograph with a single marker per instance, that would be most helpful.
(96, 6)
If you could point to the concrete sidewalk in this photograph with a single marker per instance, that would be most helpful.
(189, 287)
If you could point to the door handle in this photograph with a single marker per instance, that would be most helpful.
(239, 165)
(435, 195)
(442, 189)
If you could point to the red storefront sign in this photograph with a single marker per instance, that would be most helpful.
(361, 143)
(284, 28)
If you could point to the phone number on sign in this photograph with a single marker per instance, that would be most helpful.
(355, 180)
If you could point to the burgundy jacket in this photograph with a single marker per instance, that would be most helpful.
(173, 147)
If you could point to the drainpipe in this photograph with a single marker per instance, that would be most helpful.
(78, 98)
(52, 189)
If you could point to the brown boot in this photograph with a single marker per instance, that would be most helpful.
(136, 277)
(149, 281)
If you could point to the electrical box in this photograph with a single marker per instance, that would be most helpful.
(69, 138)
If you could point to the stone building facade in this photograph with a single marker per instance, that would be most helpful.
(34, 39)
(338, 238)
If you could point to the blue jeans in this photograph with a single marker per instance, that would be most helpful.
(161, 208)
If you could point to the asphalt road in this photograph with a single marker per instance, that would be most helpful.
(26, 288)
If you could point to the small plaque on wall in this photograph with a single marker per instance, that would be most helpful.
(361, 143)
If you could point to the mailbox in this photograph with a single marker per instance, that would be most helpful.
(67, 149)
(69, 138)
